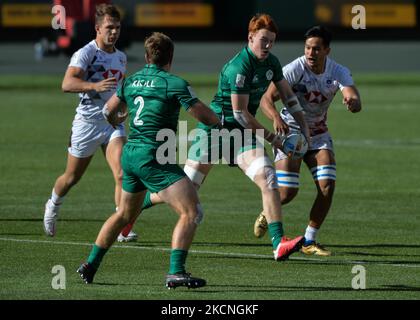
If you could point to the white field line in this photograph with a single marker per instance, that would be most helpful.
(228, 254)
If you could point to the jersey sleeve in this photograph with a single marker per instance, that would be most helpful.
(344, 77)
(80, 59)
(292, 72)
(120, 91)
(182, 92)
(238, 78)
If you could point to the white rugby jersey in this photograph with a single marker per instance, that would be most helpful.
(98, 65)
(315, 91)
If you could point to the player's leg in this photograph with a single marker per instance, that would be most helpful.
(322, 166)
(74, 171)
(287, 174)
(85, 139)
(183, 198)
(259, 168)
(197, 166)
(194, 170)
(128, 210)
(113, 152)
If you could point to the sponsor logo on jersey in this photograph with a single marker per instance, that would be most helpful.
(113, 73)
(328, 83)
(255, 80)
(315, 97)
(240, 80)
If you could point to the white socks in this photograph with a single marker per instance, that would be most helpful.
(310, 233)
(56, 200)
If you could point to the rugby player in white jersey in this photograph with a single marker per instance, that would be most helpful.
(95, 71)
(315, 78)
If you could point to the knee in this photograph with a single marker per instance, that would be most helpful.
(193, 214)
(118, 176)
(266, 180)
(124, 217)
(287, 194)
(326, 190)
(72, 179)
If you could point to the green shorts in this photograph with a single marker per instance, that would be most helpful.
(209, 146)
(141, 170)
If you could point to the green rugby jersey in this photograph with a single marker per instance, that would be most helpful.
(244, 74)
(154, 98)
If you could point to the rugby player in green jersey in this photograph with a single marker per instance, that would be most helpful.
(242, 83)
(152, 99)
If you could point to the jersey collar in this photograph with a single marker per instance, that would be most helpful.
(254, 57)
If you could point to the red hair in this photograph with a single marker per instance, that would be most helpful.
(262, 21)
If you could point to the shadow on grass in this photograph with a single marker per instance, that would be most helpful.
(195, 244)
(21, 234)
(358, 253)
(268, 289)
(375, 245)
(223, 288)
(41, 219)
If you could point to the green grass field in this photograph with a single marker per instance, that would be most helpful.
(374, 220)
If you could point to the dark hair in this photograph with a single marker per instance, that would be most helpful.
(319, 32)
(159, 49)
(106, 9)
(262, 21)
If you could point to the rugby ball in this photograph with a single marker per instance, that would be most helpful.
(295, 145)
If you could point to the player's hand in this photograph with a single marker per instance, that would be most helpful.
(277, 141)
(280, 126)
(352, 104)
(308, 141)
(120, 118)
(106, 85)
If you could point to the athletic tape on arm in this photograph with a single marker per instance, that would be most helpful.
(296, 107)
(242, 120)
(105, 112)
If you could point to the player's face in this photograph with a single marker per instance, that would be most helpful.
(261, 43)
(108, 31)
(316, 53)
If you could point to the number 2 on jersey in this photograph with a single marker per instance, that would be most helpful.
(140, 102)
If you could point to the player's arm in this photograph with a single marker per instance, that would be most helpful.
(204, 114)
(292, 104)
(351, 99)
(246, 120)
(268, 107)
(115, 110)
(73, 82)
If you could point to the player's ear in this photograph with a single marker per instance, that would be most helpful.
(250, 37)
(97, 28)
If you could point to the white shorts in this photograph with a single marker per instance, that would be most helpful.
(318, 142)
(87, 136)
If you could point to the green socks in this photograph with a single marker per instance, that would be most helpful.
(276, 232)
(147, 202)
(96, 255)
(177, 262)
